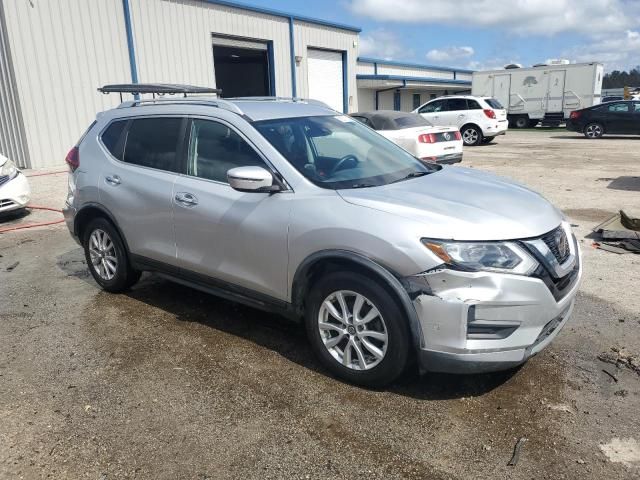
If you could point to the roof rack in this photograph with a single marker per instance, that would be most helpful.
(156, 89)
(310, 101)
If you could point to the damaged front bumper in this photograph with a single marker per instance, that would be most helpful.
(482, 321)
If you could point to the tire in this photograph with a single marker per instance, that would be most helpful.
(389, 319)
(107, 257)
(521, 122)
(533, 123)
(593, 130)
(471, 135)
(486, 140)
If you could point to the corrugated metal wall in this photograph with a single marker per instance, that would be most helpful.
(12, 141)
(413, 72)
(309, 35)
(62, 51)
(364, 68)
(173, 40)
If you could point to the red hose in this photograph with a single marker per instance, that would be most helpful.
(47, 173)
(32, 225)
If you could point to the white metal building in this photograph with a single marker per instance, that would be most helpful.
(389, 85)
(54, 55)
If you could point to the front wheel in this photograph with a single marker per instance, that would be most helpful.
(593, 130)
(107, 258)
(357, 330)
(471, 135)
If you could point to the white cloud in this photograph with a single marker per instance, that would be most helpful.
(449, 54)
(382, 43)
(618, 51)
(523, 17)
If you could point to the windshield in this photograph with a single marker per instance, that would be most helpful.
(339, 152)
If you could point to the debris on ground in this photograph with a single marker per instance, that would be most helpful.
(516, 452)
(621, 358)
(12, 266)
(621, 232)
(613, 377)
(622, 450)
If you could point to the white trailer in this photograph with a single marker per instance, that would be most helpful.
(547, 93)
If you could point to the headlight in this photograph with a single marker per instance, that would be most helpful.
(8, 168)
(504, 257)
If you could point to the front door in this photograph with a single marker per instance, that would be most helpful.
(432, 111)
(456, 113)
(230, 236)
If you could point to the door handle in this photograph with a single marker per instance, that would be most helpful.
(113, 179)
(186, 199)
(462, 115)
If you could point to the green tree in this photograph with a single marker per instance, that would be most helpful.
(618, 79)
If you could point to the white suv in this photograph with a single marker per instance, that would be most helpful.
(480, 119)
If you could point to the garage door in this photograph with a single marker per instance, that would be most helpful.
(324, 69)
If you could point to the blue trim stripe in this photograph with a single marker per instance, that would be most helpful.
(379, 61)
(279, 13)
(292, 55)
(413, 79)
(130, 44)
(345, 84)
(272, 69)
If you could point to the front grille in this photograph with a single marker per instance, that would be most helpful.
(4, 179)
(558, 243)
(6, 203)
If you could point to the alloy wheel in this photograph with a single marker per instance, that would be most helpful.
(470, 136)
(352, 330)
(102, 252)
(593, 131)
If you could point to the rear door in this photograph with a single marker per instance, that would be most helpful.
(620, 118)
(636, 117)
(433, 110)
(235, 237)
(136, 183)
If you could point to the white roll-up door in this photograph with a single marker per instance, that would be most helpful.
(324, 69)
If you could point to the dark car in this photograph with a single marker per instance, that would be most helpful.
(612, 117)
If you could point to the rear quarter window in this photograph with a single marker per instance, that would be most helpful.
(112, 138)
(493, 103)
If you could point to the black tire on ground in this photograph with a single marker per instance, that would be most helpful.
(471, 135)
(396, 357)
(533, 123)
(486, 140)
(522, 121)
(124, 276)
(593, 130)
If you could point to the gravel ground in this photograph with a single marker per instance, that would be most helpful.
(166, 382)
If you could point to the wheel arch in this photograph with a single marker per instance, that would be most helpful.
(327, 261)
(91, 211)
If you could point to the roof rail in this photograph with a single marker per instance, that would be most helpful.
(211, 102)
(310, 101)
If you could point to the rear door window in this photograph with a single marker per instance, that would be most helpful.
(455, 104)
(154, 143)
(473, 105)
(112, 138)
(618, 108)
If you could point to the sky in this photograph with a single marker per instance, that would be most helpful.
(485, 34)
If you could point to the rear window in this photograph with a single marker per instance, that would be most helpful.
(411, 121)
(153, 142)
(493, 103)
(112, 136)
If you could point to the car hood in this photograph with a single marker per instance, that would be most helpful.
(463, 204)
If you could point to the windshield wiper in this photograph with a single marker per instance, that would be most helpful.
(412, 175)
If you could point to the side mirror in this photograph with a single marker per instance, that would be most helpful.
(251, 179)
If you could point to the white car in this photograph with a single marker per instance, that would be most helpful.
(416, 135)
(479, 119)
(14, 187)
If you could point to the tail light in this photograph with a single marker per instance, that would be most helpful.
(458, 135)
(73, 159)
(427, 138)
(490, 113)
(574, 115)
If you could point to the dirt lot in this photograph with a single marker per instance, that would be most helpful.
(166, 382)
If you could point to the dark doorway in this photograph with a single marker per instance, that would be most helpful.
(241, 72)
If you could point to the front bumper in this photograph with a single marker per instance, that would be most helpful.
(481, 321)
(15, 193)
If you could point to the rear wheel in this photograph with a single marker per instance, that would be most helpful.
(357, 330)
(471, 135)
(107, 258)
(522, 122)
(593, 130)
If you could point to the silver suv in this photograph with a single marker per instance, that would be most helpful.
(288, 206)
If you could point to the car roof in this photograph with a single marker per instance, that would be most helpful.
(252, 108)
